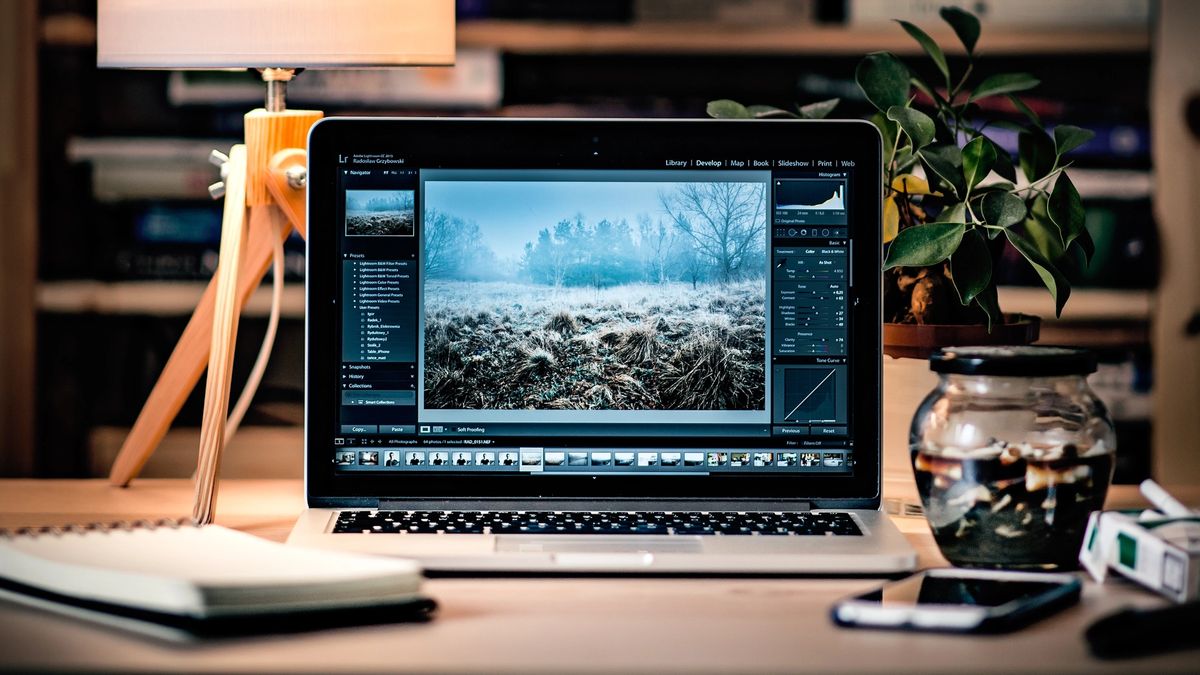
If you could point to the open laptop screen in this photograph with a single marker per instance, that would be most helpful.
(657, 315)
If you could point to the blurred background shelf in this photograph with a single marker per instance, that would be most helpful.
(539, 37)
(1086, 304)
(155, 298)
(523, 36)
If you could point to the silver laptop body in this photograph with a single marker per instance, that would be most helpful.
(506, 346)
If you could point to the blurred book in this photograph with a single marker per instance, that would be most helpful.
(584, 11)
(177, 263)
(742, 12)
(148, 167)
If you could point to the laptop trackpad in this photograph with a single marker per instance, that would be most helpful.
(602, 543)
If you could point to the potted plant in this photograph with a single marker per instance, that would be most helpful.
(953, 202)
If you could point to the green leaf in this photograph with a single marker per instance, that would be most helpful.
(1043, 234)
(916, 124)
(887, 129)
(924, 245)
(942, 130)
(1037, 209)
(971, 266)
(946, 161)
(1036, 152)
(954, 213)
(965, 25)
(931, 48)
(818, 110)
(1007, 125)
(768, 111)
(725, 109)
(1025, 110)
(1086, 246)
(1056, 283)
(1004, 83)
(989, 302)
(1041, 231)
(1004, 166)
(1003, 209)
(1066, 212)
(967, 111)
(929, 91)
(1067, 138)
(978, 156)
(1000, 185)
(904, 158)
(884, 80)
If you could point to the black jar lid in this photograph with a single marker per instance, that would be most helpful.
(1013, 361)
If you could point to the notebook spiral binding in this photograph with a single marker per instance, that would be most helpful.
(58, 531)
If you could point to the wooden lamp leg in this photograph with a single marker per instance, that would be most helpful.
(224, 334)
(187, 362)
(272, 141)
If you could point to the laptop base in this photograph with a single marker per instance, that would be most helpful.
(881, 550)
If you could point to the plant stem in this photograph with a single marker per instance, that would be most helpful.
(892, 159)
(1033, 185)
(958, 87)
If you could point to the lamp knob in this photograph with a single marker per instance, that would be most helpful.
(221, 161)
(217, 190)
(297, 177)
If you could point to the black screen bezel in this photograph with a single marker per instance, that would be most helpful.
(607, 143)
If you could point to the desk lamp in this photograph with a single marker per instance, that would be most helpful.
(264, 177)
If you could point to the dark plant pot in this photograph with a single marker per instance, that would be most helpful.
(918, 341)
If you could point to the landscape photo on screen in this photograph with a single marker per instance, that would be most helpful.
(380, 213)
(594, 295)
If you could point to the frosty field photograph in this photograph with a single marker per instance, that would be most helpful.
(380, 213)
(559, 295)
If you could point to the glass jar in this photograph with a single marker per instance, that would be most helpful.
(1011, 453)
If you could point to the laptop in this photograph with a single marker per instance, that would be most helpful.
(596, 346)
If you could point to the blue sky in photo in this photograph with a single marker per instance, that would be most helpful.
(510, 213)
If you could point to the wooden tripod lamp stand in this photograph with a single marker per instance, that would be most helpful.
(263, 179)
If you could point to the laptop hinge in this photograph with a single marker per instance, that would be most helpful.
(607, 504)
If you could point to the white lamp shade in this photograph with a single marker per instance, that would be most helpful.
(274, 33)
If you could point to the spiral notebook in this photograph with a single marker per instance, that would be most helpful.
(203, 579)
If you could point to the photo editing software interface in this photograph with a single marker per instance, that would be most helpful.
(683, 316)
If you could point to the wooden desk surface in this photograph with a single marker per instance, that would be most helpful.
(543, 625)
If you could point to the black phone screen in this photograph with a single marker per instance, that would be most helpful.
(924, 589)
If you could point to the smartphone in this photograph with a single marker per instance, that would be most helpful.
(960, 601)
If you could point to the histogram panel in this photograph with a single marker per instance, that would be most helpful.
(813, 201)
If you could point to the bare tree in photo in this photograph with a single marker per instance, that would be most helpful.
(562, 252)
(657, 242)
(725, 221)
(439, 239)
(451, 245)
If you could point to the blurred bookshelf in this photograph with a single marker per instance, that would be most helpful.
(130, 148)
(540, 37)
(153, 298)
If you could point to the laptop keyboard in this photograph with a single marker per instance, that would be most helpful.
(596, 522)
